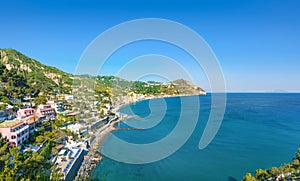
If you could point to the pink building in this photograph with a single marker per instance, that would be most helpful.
(15, 131)
(24, 113)
(45, 110)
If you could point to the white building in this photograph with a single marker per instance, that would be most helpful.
(69, 97)
(78, 128)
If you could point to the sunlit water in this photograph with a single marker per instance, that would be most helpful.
(258, 131)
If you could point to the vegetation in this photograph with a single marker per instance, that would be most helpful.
(27, 166)
(40, 100)
(32, 165)
(21, 76)
(114, 87)
(290, 171)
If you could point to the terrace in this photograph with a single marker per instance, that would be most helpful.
(8, 124)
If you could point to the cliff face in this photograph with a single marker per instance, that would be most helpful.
(175, 88)
(187, 88)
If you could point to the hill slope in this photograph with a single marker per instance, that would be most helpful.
(21, 75)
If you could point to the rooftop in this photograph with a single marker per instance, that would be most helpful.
(8, 124)
(65, 112)
(67, 157)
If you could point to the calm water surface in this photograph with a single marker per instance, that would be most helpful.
(258, 131)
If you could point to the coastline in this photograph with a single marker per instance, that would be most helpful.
(94, 156)
(118, 107)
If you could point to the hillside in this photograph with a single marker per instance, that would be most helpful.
(123, 91)
(20, 75)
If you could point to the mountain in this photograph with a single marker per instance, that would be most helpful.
(20, 75)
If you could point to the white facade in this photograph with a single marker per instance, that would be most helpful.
(69, 97)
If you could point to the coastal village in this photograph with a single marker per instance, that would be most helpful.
(28, 126)
(72, 133)
(52, 122)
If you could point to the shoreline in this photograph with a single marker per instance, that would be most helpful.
(94, 156)
(118, 107)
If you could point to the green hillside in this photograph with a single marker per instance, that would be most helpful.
(21, 75)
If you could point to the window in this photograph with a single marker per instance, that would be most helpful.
(18, 135)
(13, 137)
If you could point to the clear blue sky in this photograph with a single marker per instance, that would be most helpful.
(256, 41)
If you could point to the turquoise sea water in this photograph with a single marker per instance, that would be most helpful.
(258, 131)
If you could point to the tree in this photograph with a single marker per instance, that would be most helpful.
(2, 106)
(274, 171)
(261, 174)
(4, 153)
(298, 154)
(249, 177)
(40, 139)
(40, 100)
(5, 100)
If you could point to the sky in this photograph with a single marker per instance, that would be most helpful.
(255, 41)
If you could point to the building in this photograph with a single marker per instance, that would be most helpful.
(24, 113)
(14, 101)
(33, 122)
(68, 161)
(7, 114)
(69, 97)
(58, 106)
(3, 115)
(45, 110)
(15, 131)
(78, 128)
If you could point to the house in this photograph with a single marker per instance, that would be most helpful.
(15, 131)
(78, 128)
(14, 101)
(69, 97)
(28, 102)
(3, 115)
(7, 114)
(58, 106)
(45, 110)
(24, 113)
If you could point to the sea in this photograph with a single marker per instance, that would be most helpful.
(259, 130)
